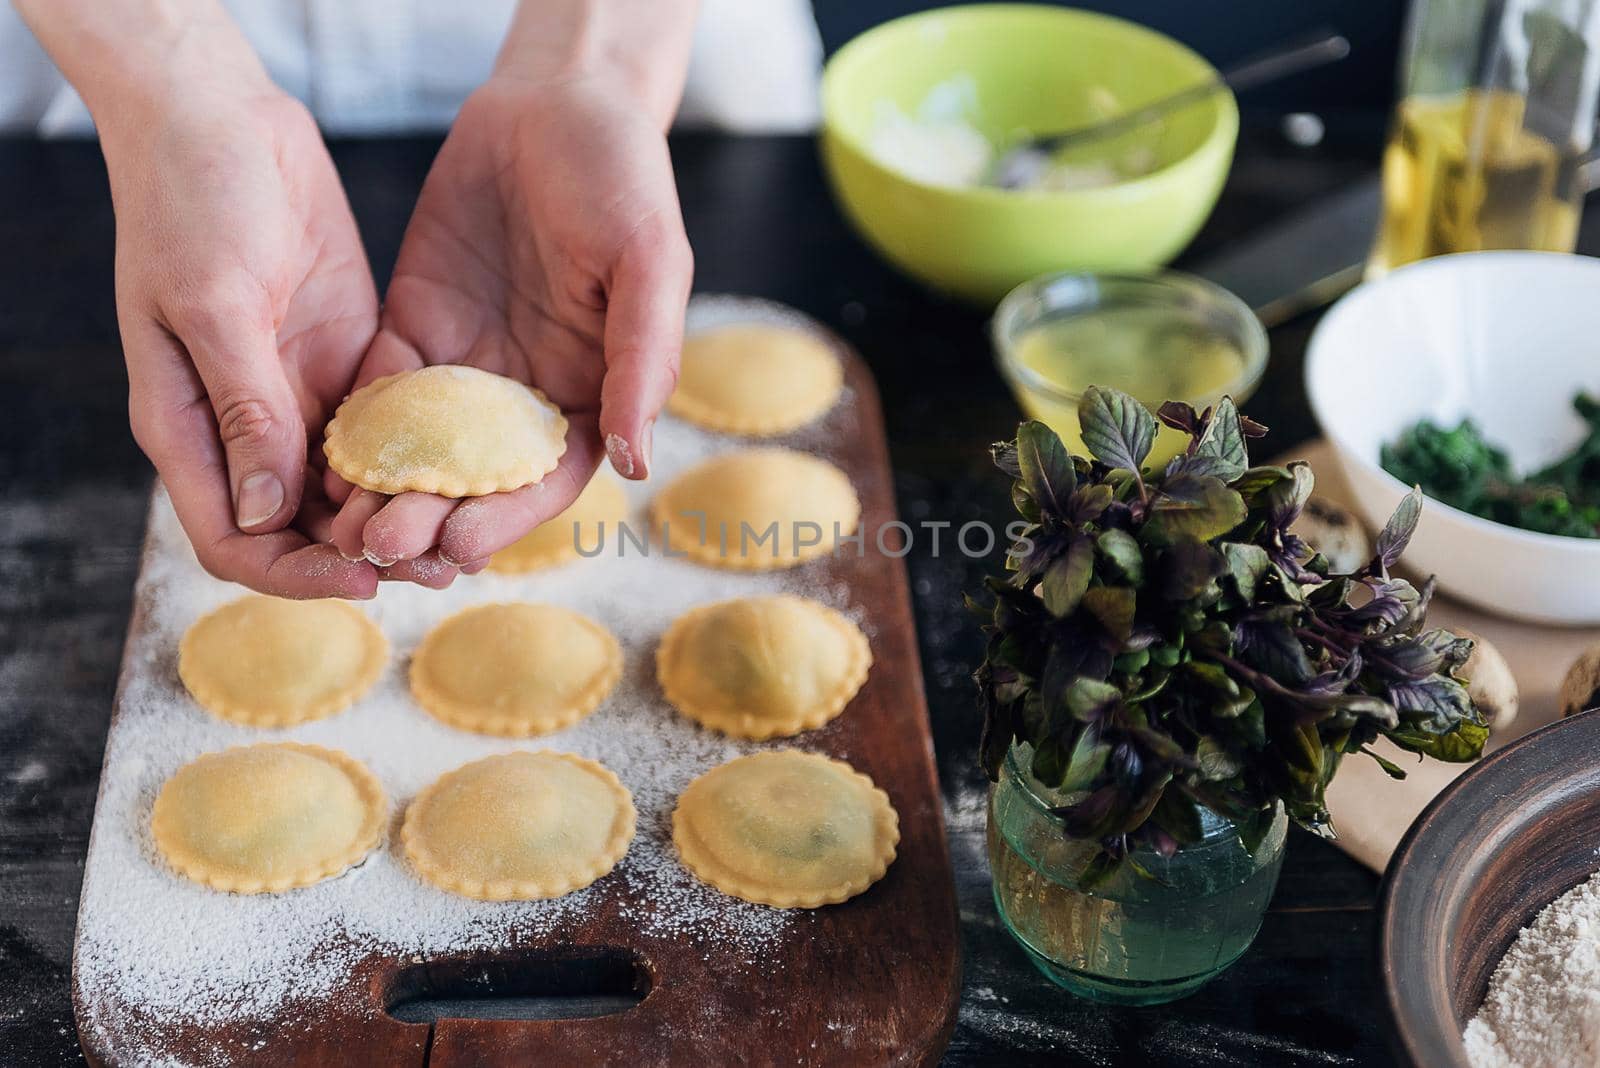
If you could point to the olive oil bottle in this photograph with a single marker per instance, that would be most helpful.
(1464, 172)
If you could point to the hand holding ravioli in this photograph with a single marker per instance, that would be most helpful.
(547, 247)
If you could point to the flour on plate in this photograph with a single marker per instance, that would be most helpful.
(1543, 1006)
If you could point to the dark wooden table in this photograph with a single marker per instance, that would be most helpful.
(72, 497)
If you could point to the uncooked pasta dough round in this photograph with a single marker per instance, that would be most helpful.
(515, 669)
(756, 509)
(786, 828)
(262, 818)
(519, 826)
(762, 667)
(755, 379)
(270, 662)
(447, 429)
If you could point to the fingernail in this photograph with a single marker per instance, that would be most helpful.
(621, 455)
(445, 560)
(352, 559)
(260, 497)
(378, 561)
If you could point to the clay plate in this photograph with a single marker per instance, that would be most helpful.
(1504, 840)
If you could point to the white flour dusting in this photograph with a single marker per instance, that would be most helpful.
(32, 771)
(1543, 1006)
(154, 944)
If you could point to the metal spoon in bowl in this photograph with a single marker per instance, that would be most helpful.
(1022, 164)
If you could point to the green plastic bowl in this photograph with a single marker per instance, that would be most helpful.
(1032, 67)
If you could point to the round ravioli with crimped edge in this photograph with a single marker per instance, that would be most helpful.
(448, 429)
(514, 669)
(756, 509)
(786, 828)
(519, 826)
(587, 522)
(762, 667)
(269, 662)
(269, 817)
(755, 379)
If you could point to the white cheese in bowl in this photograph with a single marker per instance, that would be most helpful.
(940, 145)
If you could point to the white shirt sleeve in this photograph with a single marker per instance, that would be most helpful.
(397, 66)
(28, 80)
(755, 67)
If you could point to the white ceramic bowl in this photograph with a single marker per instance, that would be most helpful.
(1504, 337)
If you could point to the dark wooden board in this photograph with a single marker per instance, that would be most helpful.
(872, 981)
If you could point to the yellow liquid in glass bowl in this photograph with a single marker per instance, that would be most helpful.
(1155, 354)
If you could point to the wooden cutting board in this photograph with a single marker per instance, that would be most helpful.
(872, 981)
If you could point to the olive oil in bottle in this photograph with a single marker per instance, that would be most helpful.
(1464, 172)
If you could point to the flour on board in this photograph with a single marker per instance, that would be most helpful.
(156, 945)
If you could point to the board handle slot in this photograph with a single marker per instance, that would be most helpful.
(578, 986)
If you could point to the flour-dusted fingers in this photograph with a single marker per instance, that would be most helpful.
(348, 525)
(426, 570)
(173, 423)
(318, 571)
(407, 526)
(283, 564)
(481, 526)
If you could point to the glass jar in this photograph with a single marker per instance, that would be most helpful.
(1495, 119)
(1160, 337)
(1130, 940)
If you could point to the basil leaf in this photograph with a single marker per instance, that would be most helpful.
(1222, 444)
(1122, 551)
(1396, 533)
(1193, 506)
(1117, 430)
(1045, 468)
(1067, 579)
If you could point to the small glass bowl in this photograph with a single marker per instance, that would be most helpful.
(1058, 297)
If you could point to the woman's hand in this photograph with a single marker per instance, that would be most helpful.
(243, 294)
(245, 304)
(547, 245)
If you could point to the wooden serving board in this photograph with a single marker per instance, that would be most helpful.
(872, 981)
